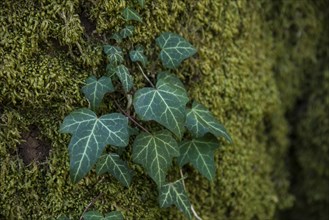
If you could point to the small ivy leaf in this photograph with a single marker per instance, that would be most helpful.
(110, 70)
(63, 217)
(200, 121)
(114, 165)
(200, 153)
(90, 136)
(117, 37)
(124, 76)
(175, 49)
(155, 153)
(127, 31)
(115, 215)
(141, 3)
(114, 54)
(95, 90)
(92, 215)
(174, 194)
(131, 14)
(165, 104)
(138, 55)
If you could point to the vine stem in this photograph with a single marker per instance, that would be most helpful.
(130, 117)
(90, 204)
(192, 208)
(145, 76)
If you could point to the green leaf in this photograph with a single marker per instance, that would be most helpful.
(63, 217)
(114, 54)
(200, 153)
(95, 90)
(141, 3)
(114, 165)
(117, 37)
(175, 49)
(90, 136)
(124, 76)
(92, 215)
(174, 194)
(110, 70)
(138, 55)
(115, 215)
(165, 104)
(131, 14)
(155, 153)
(200, 121)
(127, 31)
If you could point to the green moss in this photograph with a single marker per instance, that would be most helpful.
(247, 72)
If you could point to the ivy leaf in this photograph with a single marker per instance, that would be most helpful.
(155, 153)
(200, 121)
(131, 14)
(138, 55)
(200, 153)
(175, 49)
(164, 104)
(95, 90)
(114, 54)
(90, 136)
(117, 37)
(174, 194)
(110, 70)
(127, 31)
(114, 165)
(141, 3)
(92, 215)
(124, 76)
(115, 215)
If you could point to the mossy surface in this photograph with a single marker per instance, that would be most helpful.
(252, 64)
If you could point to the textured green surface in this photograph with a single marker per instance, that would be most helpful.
(256, 61)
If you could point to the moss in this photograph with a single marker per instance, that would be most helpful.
(247, 70)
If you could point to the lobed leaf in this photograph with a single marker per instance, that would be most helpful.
(115, 215)
(125, 78)
(127, 31)
(114, 54)
(155, 153)
(90, 136)
(117, 37)
(114, 165)
(131, 14)
(200, 153)
(138, 55)
(175, 49)
(200, 121)
(164, 104)
(95, 90)
(174, 194)
(95, 215)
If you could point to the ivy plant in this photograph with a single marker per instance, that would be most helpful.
(188, 132)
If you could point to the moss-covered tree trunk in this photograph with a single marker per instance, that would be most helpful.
(262, 68)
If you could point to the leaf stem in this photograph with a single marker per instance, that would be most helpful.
(90, 204)
(141, 69)
(192, 208)
(130, 117)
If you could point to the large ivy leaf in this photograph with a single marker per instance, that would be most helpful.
(164, 104)
(200, 121)
(138, 55)
(200, 153)
(127, 31)
(95, 215)
(124, 76)
(174, 194)
(131, 14)
(114, 165)
(175, 49)
(95, 90)
(90, 136)
(114, 54)
(155, 153)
